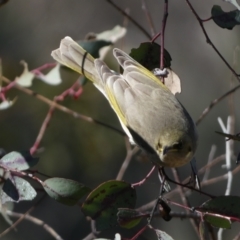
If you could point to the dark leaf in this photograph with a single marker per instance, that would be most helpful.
(65, 191)
(225, 19)
(103, 202)
(129, 218)
(93, 46)
(148, 55)
(16, 189)
(227, 206)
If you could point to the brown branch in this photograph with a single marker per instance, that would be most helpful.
(148, 16)
(34, 220)
(62, 108)
(125, 164)
(184, 199)
(48, 117)
(208, 40)
(214, 102)
(164, 22)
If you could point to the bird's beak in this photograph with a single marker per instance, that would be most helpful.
(165, 150)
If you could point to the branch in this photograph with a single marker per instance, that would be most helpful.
(208, 40)
(62, 108)
(130, 19)
(214, 102)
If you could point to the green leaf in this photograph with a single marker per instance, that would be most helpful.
(227, 206)
(16, 189)
(93, 46)
(148, 54)
(163, 235)
(129, 218)
(18, 161)
(224, 205)
(65, 191)
(219, 222)
(225, 19)
(103, 202)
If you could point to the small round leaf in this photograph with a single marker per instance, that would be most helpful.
(65, 191)
(18, 161)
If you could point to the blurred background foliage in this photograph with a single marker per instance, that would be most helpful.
(89, 153)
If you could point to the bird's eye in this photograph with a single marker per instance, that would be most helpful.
(178, 145)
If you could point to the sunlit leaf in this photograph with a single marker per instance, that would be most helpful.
(53, 77)
(172, 81)
(18, 161)
(113, 36)
(163, 235)
(16, 189)
(65, 191)
(26, 77)
(7, 104)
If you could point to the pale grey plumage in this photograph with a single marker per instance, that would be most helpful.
(142, 103)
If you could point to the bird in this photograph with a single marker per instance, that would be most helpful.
(149, 113)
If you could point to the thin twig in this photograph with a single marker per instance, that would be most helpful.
(214, 102)
(148, 16)
(208, 40)
(220, 178)
(227, 129)
(164, 22)
(36, 221)
(62, 108)
(184, 199)
(48, 117)
(125, 164)
(210, 158)
(130, 18)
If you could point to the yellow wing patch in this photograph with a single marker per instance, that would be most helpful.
(114, 105)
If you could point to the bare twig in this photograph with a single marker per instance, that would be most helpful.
(184, 199)
(130, 18)
(210, 158)
(227, 129)
(36, 221)
(148, 16)
(164, 22)
(130, 153)
(214, 102)
(209, 40)
(62, 108)
(220, 178)
(144, 180)
(48, 117)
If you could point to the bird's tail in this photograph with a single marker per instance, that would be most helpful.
(75, 57)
